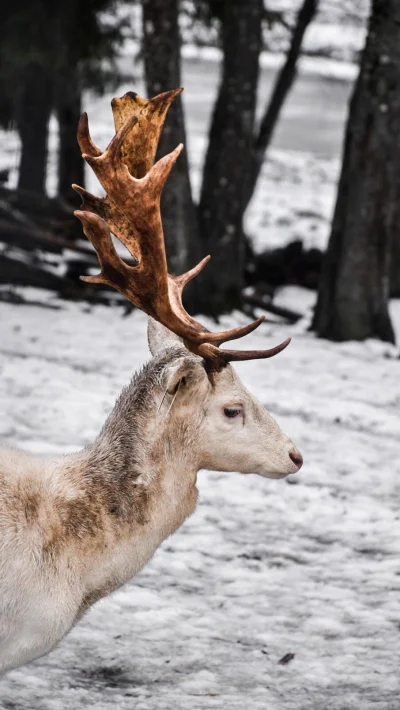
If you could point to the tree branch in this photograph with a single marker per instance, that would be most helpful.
(282, 86)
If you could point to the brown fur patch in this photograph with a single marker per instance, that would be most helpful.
(79, 517)
(91, 598)
(31, 503)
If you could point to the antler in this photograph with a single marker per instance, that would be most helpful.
(131, 210)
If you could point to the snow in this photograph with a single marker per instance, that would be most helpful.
(314, 65)
(308, 566)
(294, 199)
(337, 31)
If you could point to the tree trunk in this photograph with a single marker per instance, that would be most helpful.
(33, 121)
(394, 271)
(280, 91)
(353, 295)
(228, 158)
(70, 163)
(162, 63)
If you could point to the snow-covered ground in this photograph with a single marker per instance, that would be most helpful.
(337, 31)
(308, 566)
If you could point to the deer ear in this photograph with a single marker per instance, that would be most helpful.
(185, 371)
(160, 338)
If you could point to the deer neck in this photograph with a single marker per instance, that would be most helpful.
(139, 484)
(143, 471)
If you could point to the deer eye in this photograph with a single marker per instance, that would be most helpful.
(232, 412)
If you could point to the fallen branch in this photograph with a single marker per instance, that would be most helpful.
(11, 296)
(266, 304)
(31, 238)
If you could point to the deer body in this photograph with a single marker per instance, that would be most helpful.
(73, 530)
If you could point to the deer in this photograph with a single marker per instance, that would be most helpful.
(76, 528)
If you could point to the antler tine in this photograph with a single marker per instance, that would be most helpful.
(92, 203)
(222, 357)
(84, 140)
(131, 210)
(124, 189)
(232, 334)
(184, 279)
(139, 148)
(111, 157)
(97, 231)
(117, 221)
(158, 175)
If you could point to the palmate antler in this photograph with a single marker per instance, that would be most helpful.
(131, 211)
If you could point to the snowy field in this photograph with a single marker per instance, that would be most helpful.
(308, 566)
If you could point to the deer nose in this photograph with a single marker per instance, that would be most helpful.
(296, 457)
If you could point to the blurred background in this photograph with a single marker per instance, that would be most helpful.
(264, 185)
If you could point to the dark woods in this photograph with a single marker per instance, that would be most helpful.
(50, 53)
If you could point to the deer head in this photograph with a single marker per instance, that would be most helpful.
(207, 409)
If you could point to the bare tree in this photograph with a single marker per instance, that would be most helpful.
(223, 191)
(43, 45)
(86, 47)
(33, 114)
(353, 295)
(162, 61)
(236, 149)
(282, 86)
(68, 103)
(394, 269)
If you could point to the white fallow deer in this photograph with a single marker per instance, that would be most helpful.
(73, 530)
